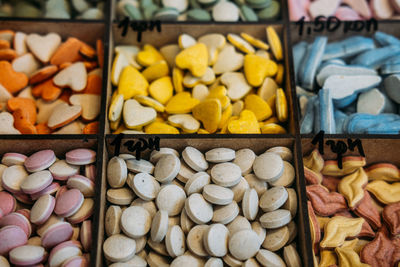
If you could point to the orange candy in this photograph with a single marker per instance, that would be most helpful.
(67, 52)
(13, 81)
(47, 90)
(91, 128)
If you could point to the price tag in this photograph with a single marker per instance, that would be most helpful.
(332, 24)
(338, 147)
(138, 26)
(137, 147)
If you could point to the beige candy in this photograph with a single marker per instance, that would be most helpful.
(160, 247)
(196, 183)
(43, 47)
(244, 244)
(200, 92)
(292, 231)
(237, 108)
(119, 248)
(90, 104)
(276, 238)
(240, 189)
(268, 167)
(175, 241)
(131, 116)
(185, 173)
(4, 94)
(268, 89)
(159, 226)
(150, 206)
(273, 198)
(186, 260)
(155, 260)
(228, 60)
(185, 221)
(195, 159)
(136, 261)
(217, 195)
(260, 231)
(250, 204)
(13, 177)
(291, 256)
(112, 220)
(117, 172)
(259, 185)
(214, 42)
(238, 224)
(214, 262)
(237, 85)
(171, 198)
(184, 121)
(215, 240)
(219, 155)
(284, 152)
(194, 240)
(141, 165)
(20, 43)
(170, 52)
(244, 159)
(225, 214)
(63, 113)
(287, 177)
(27, 64)
(46, 109)
(130, 52)
(74, 77)
(145, 186)
(135, 221)
(251, 263)
(231, 261)
(7, 124)
(226, 174)
(268, 258)
(120, 196)
(275, 219)
(291, 202)
(198, 209)
(156, 155)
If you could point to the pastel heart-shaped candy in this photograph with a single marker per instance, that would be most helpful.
(4, 94)
(7, 124)
(181, 103)
(43, 47)
(135, 115)
(184, 121)
(360, 6)
(130, 52)
(27, 64)
(46, 109)
(323, 7)
(200, 92)
(20, 43)
(214, 42)
(194, 58)
(90, 104)
(63, 114)
(246, 124)
(13, 81)
(236, 83)
(267, 89)
(74, 77)
(191, 81)
(117, 103)
(382, 9)
(148, 56)
(209, 113)
(119, 63)
(169, 52)
(131, 83)
(185, 41)
(228, 60)
(257, 68)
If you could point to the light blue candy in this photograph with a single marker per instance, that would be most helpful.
(299, 50)
(334, 69)
(385, 39)
(361, 122)
(340, 118)
(385, 128)
(317, 116)
(307, 122)
(311, 62)
(375, 58)
(395, 59)
(390, 68)
(327, 120)
(348, 47)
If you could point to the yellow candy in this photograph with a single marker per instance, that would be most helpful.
(184, 121)
(177, 78)
(338, 229)
(350, 244)
(156, 71)
(258, 106)
(219, 93)
(281, 105)
(237, 107)
(349, 258)
(225, 116)
(150, 102)
(224, 128)
(120, 62)
(273, 128)
(194, 58)
(131, 83)
(275, 43)
(115, 124)
(162, 89)
(328, 258)
(202, 131)
(271, 120)
(322, 221)
(272, 103)
(350, 165)
(246, 124)
(257, 68)
(117, 103)
(191, 81)
(254, 41)
(160, 128)
(268, 89)
(181, 103)
(209, 113)
(385, 192)
(240, 44)
(214, 42)
(351, 187)
(148, 56)
(279, 74)
(314, 161)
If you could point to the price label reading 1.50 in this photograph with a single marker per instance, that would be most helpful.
(332, 24)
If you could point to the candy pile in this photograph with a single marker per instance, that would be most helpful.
(46, 85)
(55, 9)
(200, 10)
(358, 81)
(45, 208)
(206, 85)
(202, 210)
(344, 10)
(354, 211)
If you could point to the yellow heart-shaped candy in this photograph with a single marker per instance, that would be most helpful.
(194, 58)
(160, 128)
(181, 103)
(209, 113)
(156, 71)
(219, 93)
(246, 124)
(148, 56)
(162, 89)
(131, 83)
(259, 107)
(177, 79)
(281, 105)
(257, 68)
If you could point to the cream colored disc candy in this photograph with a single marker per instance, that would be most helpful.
(167, 168)
(244, 159)
(275, 219)
(155, 260)
(185, 173)
(231, 261)
(185, 260)
(284, 152)
(120, 196)
(27, 253)
(194, 240)
(171, 198)
(276, 239)
(214, 262)
(217, 195)
(140, 243)
(239, 189)
(13, 177)
(136, 261)
(186, 222)
(135, 221)
(269, 258)
(141, 165)
(259, 185)
(145, 186)
(61, 169)
(238, 224)
(218, 155)
(215, 240)
(251, 263)
(226, 174)
(198, 209)
(117, 172)
(156, 155)
(260, 231)
(196, 183)
(225, 214)
(159, 226)
(273, 198)
(291, 202)
(244, 244)
(292, 231)
(150, 206)
(268, 167)
(160, 248)
(291, 256)
(287, 177)
(250, 204)
(119, 248)
(175, 241)
(195, 159)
